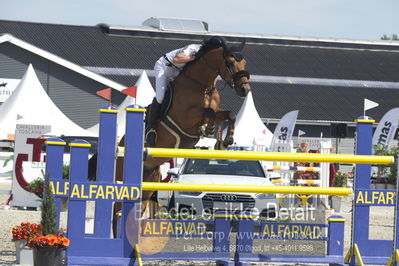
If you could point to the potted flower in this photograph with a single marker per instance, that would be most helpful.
(21, 234)
(340, 180)
(48, 249)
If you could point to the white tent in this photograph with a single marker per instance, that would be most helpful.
(249, 128)
(145, 91)
(30, 102)
(144, 95)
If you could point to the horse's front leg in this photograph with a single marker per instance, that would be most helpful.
(230, 117)
(208, 122)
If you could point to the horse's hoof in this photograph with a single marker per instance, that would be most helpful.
(227, 142)
(218, 145)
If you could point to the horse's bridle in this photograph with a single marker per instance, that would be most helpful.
(237, 75)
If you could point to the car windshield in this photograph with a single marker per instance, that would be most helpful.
(223, 167)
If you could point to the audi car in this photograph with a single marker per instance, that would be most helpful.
(215, 171)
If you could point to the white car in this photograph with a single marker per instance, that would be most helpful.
(215, 171)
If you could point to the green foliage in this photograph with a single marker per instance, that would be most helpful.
(394, 37)
(48, 210)
(8, 160)
(387, 171)
(65, 171)
(341, 179)
(36, 184)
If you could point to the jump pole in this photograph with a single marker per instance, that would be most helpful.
(268, 156)
(333, 191)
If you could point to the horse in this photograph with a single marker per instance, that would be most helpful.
(194, 111)
(194, 107)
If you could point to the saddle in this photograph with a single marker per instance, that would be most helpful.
(182, 138)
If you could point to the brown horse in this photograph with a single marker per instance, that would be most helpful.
(195, 111)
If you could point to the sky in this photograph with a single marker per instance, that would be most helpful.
(332, 19)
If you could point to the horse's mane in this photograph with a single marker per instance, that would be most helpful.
(211, 44)
(208, 45)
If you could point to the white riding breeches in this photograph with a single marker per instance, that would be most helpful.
(163, 75)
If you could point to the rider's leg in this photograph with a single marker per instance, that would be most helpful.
(161, 80)
(154, 112)
(152, 118)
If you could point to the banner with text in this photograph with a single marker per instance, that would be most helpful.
(28, 164)
(386, 128)
(285, 128)
(7, 87)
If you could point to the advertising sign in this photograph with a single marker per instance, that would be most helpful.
(28, 163)
(7, 87)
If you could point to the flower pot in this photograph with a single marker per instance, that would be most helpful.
(24, 253)
(391, 186)
(336, 203)
(49, 256)
(380, 186)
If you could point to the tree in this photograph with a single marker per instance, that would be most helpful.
(48, 210)
(394, 37)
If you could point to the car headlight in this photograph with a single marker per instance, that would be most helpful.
(265, 196)
(190, 193)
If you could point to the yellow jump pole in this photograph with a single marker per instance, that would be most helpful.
(246, 188)
(268, 156)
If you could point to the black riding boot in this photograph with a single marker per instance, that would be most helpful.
(153, 115)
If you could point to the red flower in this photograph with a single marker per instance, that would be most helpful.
(26, 231)
(58, 241)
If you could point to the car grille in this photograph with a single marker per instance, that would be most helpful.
(209, 198)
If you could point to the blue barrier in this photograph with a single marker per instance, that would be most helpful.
(363, 249)
(100, 248)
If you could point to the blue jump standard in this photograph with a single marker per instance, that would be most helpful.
(100, 248)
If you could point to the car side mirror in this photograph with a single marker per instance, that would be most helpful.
(174, 172)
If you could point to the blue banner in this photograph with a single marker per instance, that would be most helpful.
(372, 197)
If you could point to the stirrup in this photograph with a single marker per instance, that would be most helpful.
(151, 138)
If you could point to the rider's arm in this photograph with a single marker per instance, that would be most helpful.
(182, 58)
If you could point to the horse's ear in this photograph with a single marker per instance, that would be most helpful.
(237, 48)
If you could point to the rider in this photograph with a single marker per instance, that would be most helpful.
(167, 68)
